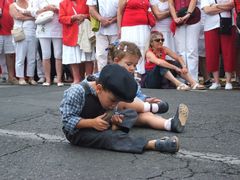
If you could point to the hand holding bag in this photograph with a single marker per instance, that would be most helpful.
(195, 15)
(44, 17)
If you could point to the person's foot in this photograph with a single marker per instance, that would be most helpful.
(60, 84)
(22, 82)
(41, 80)
(13, 81)
(162, 107)
(179, 120)
(215, 86)
(32, 81)
(228, 86)
(46, 84)
(167, 144)
(207, 83)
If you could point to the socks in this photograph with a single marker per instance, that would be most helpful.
(167, 124)
(150, 107)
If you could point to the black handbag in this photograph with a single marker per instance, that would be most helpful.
(225, 25)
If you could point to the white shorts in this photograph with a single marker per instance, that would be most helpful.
(6, 45)
(46, 47)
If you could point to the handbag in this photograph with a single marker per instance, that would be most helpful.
(225, 25)
(18, 33)
(44, 17)
(151, 19)
(195, 15)
(95, 23)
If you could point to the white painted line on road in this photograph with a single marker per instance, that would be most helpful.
(34, 136)
(227, 159)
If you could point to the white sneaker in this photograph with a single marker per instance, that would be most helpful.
(228, 86)
(215, 86)
(41, 80)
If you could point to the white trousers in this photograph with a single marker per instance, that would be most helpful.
(186, 38)
(25, 49)
(102, 43)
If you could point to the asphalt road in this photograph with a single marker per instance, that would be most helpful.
(33, 145)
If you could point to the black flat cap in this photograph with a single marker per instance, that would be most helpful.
(119, 81)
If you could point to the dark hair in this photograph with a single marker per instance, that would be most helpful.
(120, 50)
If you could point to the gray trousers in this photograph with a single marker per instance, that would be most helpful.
(118, 140)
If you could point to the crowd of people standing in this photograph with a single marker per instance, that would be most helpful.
(186, 31)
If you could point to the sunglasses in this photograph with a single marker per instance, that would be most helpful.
(159, 39)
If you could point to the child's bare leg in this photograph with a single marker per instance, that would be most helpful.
(137, 105)
(151, 120)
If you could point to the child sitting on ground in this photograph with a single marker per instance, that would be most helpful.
(83, 110)
(127, 54)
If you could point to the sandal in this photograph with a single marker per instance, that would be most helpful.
(183, 87)
(198, 86)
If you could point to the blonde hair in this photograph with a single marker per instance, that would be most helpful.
(154, 35)
(122, 49)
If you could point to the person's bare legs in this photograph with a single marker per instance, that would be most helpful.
(59, 69)
(189, 79)
(202, 66)
(216, 77)
(10, 62)
(168, 75)
(137, 105)
(151, 120)
(47, 70)
(228, 77)
(89, 67)
(75, 73)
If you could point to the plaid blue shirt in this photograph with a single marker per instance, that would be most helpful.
(71, 107)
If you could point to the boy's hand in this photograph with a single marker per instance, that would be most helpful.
(117, 119)
(99, 124)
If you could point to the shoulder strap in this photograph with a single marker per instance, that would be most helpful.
(220, 13)
(86, 88)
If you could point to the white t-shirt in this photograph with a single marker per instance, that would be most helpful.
(107, 8)
(213, 21)
(52, 29)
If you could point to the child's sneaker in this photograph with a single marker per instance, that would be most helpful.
(228, 86)
(215, 86)
(179, 120)
(167, 144)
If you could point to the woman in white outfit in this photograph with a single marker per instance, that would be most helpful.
(186, 36)
(163, 16)
(48, 33)
(27, 47)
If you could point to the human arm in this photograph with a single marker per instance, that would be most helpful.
(71, 108)
(16, 14)
(177, 58)
(160, 15)
(173, 12)
(121, 7)
(160, 62)
(213, 9)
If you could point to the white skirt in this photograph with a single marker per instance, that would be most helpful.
(74, 55)
(140, 35)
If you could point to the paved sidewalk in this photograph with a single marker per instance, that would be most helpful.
(33, 145)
